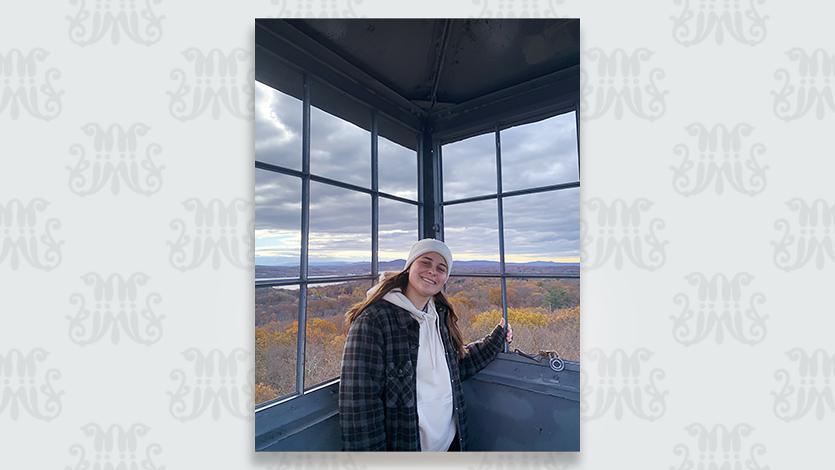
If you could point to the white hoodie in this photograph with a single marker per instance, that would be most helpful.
(434, 390)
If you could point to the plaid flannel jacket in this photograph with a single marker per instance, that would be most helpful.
(377, 390)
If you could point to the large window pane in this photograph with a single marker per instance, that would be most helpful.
(339, 150)
(276, 329)
(471, 231)
(542, 232)
(397, 169)
(277, 225)
(340, 231)
(469, 167)
(545, 315)
(278, 127)
(477, 301)
(540, 153)
(326, 307)
(398, 231)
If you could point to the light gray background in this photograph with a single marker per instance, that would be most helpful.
(707, 208)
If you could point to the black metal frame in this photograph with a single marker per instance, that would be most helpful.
(543, 97)
(332, 182)
(499, 195)
(304, 278)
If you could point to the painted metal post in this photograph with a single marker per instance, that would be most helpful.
(501, 227)
(375, 198)
(303, 261)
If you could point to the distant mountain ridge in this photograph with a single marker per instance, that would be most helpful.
(461, 267)
(401, 262)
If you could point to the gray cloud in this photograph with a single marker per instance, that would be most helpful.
(339, 149)
(277, 128)
(397, 169)
(543, 225)
(277, 218)
(540, 153)
(469, 167)
(335, 210)
(472, 230)
(277, 201)
(538, 226)
(398, 229)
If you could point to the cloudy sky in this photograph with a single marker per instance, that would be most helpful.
(541, 226)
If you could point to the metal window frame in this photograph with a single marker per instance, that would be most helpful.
(430, 206)
(537, 99)
(304, 279)
(503, 275)
(305, 238)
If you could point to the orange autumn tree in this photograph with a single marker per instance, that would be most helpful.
(545, 314)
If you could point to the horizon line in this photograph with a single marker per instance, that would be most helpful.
(561, 261)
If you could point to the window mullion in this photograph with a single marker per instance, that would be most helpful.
(420, 189)
(305, 222)
(375, 198)
(438, 190)
(577, 135)
(501, 226)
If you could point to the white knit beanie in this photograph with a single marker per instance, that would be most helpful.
(428, 245)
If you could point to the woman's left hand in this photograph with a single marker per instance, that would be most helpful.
(509, 335)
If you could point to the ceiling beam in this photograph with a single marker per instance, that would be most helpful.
(439, 64)
(295, 47)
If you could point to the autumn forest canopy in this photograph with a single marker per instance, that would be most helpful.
(544, 313)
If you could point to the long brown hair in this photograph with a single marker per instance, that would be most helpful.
(401, 281)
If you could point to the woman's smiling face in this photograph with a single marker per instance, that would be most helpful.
(428, 274)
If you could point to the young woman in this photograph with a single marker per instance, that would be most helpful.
(404, 361)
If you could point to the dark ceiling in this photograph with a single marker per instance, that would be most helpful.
(435, 63)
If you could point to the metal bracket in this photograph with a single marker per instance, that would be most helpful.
(554, 361)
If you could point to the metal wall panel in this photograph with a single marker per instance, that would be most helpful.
(516, 404)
